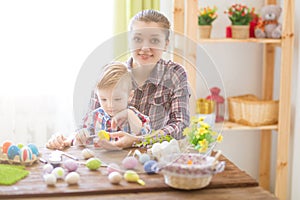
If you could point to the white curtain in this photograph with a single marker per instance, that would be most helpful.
(43, 45)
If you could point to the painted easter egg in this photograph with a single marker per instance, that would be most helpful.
(144, 158)
(34, 149)
(72, 178)
(93, 163)
(130, 162)
(150, 167)
(59, 172)
(13, 151)
(25, 154)
(50, 179)
(47, 168)
(70, 165)
(132, 176)
(20, 145)
(87, 153)
(5, 146)
(115, 177)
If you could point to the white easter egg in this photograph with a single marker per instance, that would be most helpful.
(59, 172)
(87, 153)
(115, 177)
(155, 149)
(50, 179)
(47, 168)
(72, 178)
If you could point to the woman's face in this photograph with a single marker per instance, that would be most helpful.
(147, 42)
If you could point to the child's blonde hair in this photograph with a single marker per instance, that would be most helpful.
(152, 16)
(113, 74)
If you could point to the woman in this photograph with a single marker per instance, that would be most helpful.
(161, 89)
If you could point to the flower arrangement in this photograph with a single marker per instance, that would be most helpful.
(200, 135)
(156, 136)
(240, 14)
(207, 15)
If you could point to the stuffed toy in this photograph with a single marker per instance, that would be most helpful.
(269, 27)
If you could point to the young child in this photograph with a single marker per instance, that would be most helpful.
(114, 90)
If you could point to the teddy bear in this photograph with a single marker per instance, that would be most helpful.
(269, 27)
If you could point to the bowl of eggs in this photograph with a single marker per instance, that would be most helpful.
(190, 171)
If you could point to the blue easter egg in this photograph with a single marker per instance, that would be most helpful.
(144, 158)
(25, 154)
(150, 167)
(34, 149)
(13, 151)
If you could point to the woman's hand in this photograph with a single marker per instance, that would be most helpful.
(58, 141)
(123, 140)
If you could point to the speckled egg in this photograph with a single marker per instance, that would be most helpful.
(72, 178)
(50, 179)
(13, 151)
(144, 158)
(34, 149)
(71, 165)
(113, 167)
(115, 177)
(5, 146)
(130, 162)
(87, 153)
(25, 154)
(93, 163)
(59, 172)
(47, 168)
(150, 167)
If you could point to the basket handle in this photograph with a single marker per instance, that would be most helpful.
(215, 162)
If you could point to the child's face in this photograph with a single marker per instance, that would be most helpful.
(115, 99)
(148, 41)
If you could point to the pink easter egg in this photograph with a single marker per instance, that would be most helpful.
(130, 162)
(70, 165)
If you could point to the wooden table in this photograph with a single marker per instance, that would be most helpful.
(230, 184)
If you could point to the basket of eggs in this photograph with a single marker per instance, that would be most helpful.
(190, 171)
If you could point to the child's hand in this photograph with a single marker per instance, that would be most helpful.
(119, 119)
(81, 137)
(58, 141)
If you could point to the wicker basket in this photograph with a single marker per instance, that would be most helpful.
(181, 175)
(251, 111)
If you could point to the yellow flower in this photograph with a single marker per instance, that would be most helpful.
(220, 138)
(186, 131)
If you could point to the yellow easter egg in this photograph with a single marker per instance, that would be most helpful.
(103, 135)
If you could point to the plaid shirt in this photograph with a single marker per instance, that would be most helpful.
(98, 120)
(164, 97)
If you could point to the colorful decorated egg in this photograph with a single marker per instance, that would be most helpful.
(150, 167)
(34, 149)
(47, 168)
(25, 154)
(93, 163)
(59, 172)
(70, 165)
(144, 158)
(13, 151)
(5, 146)
(129, 162)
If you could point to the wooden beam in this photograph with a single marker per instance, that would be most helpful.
(284, 125)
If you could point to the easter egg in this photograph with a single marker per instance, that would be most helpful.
(129, 162)
(70, 165)
(59, 172)
(5, 146)
(93, 163)
(132, 176)
(115, 177)
(25, 154)
(20, 145)
(34, 149)
(87, 153)
(103, 135)
(144, 158)
(113, 167)
(47, 168)
(13, 151)
(50, 179)
(72, 178)
(150, 167)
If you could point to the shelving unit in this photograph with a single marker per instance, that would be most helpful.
(185, 22)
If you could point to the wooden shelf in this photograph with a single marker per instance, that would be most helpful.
(249, 40)
(236, 127)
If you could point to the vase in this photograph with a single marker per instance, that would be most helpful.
(204, 31)
(240, 31)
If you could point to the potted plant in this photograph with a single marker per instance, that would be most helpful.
(240, 17)
(201, 136)
(206, 16)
